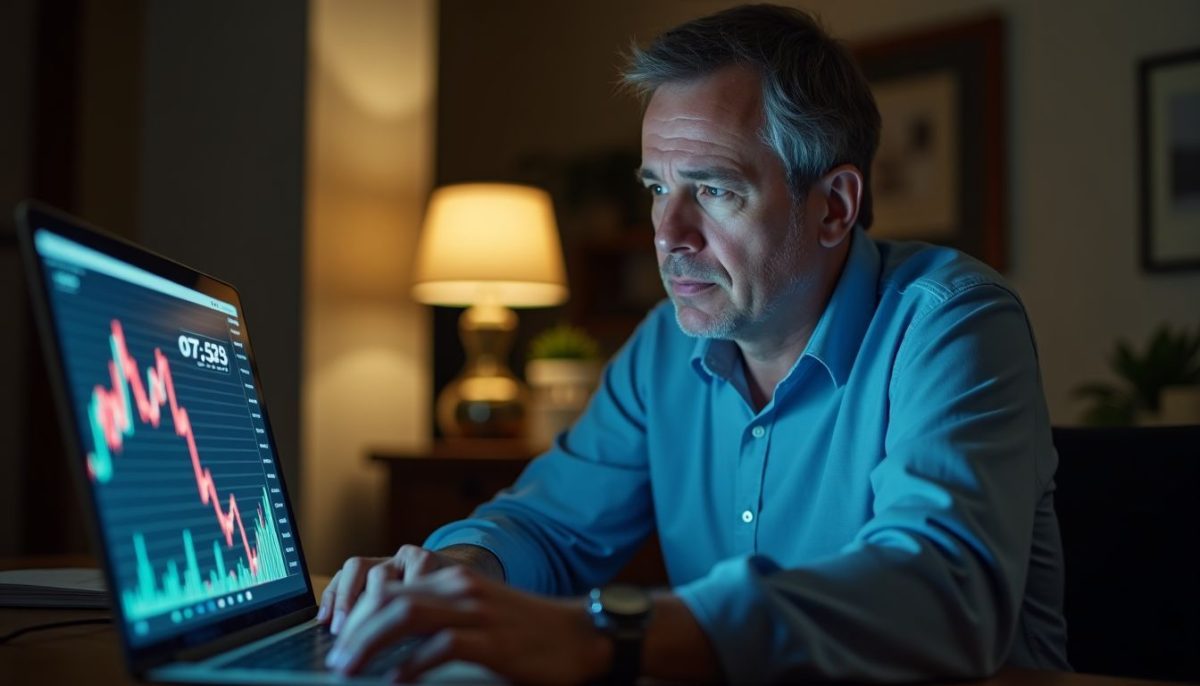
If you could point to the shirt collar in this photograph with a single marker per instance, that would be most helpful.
(839, 333)
(715, 357)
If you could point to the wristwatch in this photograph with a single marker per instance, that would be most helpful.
(621, 612)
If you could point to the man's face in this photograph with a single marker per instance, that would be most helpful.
(732, 248)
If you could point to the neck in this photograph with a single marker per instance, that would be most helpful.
(770, 354)
(767, 363)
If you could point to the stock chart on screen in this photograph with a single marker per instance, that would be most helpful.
(177, 452)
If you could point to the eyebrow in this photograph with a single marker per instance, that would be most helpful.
(728, 178)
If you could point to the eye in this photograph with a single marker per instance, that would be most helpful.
(714, 192)
(656, 189)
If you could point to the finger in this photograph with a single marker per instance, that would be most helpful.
(418, 562)
(353, 575)
(404, 616)
(369, 602)
(326, 612)
(457, 586)
(382, 573)
(446, 645)
(373, 598)
(459, 581)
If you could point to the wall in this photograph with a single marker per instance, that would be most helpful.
(370, 139)
(71, 68)
(547, 90)
(16, 79)
(107, 174)
(221, 171)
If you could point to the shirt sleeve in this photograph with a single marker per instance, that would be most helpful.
(931, 586)
(578, 512)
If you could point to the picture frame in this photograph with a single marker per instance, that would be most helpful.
(941, 169)
(1169, 151)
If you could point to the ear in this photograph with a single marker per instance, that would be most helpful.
(837, 194)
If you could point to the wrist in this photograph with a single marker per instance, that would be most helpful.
(619, 614)
(597, 657)
(677, 648)
(476, 557)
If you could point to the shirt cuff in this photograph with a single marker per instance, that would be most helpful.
(517, 557)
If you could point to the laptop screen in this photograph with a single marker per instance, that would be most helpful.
(174, 440)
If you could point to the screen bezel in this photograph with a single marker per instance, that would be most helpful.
(32, 217)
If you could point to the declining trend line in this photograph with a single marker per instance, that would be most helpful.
(111, 416)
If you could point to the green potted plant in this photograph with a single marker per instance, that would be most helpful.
(1160, 385)
(563, 369)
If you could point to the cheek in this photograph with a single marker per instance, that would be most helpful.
(657, 204)
(759, 268)
(730, 257)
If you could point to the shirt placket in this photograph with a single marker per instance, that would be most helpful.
(755, 441)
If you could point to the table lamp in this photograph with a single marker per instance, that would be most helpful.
(488, 247)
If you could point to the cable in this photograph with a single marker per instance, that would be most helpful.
(51, 625)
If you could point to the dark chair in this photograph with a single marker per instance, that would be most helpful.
(1128, 502)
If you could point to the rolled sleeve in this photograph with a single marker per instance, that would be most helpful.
(579, 511)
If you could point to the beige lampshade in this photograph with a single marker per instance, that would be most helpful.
(490, 242)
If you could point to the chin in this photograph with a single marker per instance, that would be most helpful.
(698, 324)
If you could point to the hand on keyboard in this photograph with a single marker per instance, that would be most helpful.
(359, 573)
(466, 615)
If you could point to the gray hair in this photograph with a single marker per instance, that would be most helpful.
(817, 106)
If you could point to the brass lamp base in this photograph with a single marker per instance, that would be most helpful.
(485, 400)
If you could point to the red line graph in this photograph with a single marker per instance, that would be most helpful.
(113, 415)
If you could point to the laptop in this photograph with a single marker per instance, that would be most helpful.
(170, 440)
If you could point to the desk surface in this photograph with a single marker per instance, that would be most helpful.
(91, 654)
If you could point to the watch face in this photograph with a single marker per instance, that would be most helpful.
(628, 601)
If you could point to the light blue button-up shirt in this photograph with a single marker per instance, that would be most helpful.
(887, 515)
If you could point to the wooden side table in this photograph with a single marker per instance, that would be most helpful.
(427, 490)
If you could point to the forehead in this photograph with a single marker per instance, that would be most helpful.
(719, 114)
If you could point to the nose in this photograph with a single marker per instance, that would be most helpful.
(678, 228)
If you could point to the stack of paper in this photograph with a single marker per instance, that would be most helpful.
(63, 588)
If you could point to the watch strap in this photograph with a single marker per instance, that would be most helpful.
(627, 657)
(621, 613)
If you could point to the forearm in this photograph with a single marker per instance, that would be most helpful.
(676, 647)
(479, 558)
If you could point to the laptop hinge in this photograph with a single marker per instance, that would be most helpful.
(241, 638)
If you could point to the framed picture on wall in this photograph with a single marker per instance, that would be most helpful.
(939, 174)
(1169, 119)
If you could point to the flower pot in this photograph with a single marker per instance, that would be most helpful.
(1176, 405)
(561, 390)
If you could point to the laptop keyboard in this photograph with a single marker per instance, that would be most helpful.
(305, 652)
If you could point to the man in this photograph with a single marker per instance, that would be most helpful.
(842, 443)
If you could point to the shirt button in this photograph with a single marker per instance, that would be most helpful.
(747, 516)
(758, 432)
